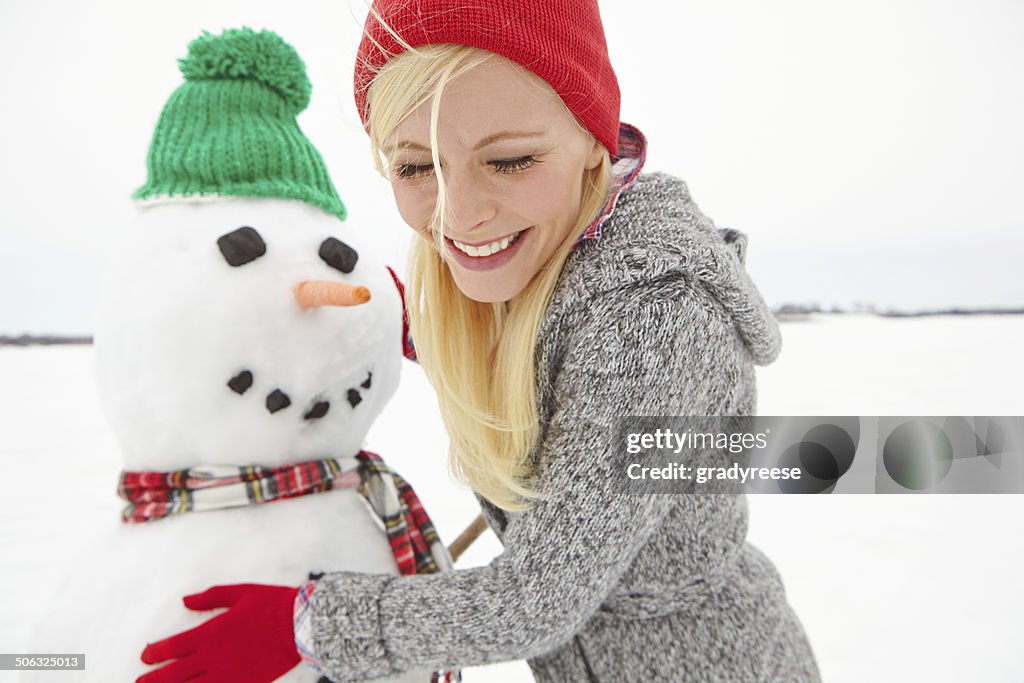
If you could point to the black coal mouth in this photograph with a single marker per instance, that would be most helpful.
(278, 400)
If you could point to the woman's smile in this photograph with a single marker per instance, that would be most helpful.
(487, 255)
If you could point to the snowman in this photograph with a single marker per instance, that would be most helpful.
(244, 347)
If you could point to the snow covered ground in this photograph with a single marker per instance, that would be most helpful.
(889, 588)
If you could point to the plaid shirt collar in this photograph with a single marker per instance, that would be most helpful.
(626, 167)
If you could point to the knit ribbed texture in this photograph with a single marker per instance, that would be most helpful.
(658, 317)
(230, 129)
(562, 41)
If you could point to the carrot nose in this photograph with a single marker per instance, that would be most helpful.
(313, 293)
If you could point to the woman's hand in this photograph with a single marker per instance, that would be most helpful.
(254, 641)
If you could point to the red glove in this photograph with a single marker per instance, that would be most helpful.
(254, 641)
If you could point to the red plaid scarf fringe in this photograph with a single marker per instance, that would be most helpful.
(414, 541)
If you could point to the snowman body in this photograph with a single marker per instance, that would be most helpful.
(204, 357)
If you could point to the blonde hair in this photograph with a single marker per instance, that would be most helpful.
(479, 357)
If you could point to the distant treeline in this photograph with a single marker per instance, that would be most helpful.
(41, 340)
(782, 312)
(795, 311)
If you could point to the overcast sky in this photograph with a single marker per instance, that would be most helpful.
(871, 150)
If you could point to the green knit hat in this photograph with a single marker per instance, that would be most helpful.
(230, 129)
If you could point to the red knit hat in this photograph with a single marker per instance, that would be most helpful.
(562, 41)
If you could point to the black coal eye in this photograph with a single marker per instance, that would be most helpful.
(241, 246)
(338, 255)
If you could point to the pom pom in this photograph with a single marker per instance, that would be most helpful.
(246, 54)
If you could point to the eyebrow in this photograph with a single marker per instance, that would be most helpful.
(489, 140)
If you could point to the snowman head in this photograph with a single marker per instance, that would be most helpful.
(241, 323)
(239, 340)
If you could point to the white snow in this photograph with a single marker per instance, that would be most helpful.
(889, 588)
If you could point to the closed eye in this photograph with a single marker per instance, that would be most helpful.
(412, 170)
(506, 166)
(514, 165)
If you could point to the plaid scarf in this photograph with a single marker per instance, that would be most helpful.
(414, 541)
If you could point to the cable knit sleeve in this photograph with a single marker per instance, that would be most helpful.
(662, 347)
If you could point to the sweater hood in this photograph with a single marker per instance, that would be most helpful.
(657, 230)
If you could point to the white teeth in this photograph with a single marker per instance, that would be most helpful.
(486, 249)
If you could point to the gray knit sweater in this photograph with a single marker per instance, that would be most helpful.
(657, 317)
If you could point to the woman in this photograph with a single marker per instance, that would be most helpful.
(555, 290)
